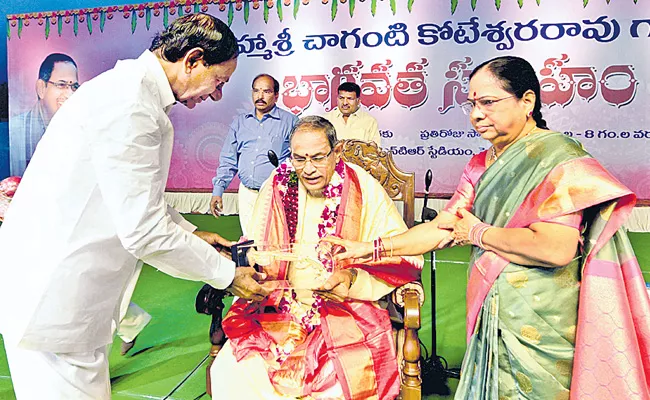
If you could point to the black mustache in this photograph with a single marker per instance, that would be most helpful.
(260, 101)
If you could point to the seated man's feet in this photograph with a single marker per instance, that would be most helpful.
(126, 346)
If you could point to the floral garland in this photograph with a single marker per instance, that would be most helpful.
(286, 181)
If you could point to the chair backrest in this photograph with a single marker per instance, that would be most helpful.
(398, 184)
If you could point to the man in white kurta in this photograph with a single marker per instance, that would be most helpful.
(258, 374)
(91, 204)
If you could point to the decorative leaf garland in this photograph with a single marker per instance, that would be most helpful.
(266, 12)
(47, 28)
(145, 10)
(279, 10)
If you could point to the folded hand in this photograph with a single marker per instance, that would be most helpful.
(337, 286)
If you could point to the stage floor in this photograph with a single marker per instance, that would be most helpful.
(168, 360)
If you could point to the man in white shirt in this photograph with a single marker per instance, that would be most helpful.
(90, 205)
(349, 120)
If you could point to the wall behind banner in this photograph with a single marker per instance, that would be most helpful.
(592, 61)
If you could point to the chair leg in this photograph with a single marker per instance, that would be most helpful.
(213, 353)
(411, 380)
(217, 338)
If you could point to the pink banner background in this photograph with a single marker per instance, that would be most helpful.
(417, 87)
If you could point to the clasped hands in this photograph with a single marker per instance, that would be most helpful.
(459, 230)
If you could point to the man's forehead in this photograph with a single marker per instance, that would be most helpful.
(63, 70)
(263, 82)
(310, 141)
(343, 93)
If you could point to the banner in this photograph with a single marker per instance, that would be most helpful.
(411, 58)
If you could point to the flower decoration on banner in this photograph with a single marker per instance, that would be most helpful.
(145, 11)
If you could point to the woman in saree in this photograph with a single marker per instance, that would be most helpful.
(556, 303)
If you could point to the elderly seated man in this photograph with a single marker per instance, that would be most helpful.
(320, 334)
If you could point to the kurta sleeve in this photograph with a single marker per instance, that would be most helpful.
(128, 162)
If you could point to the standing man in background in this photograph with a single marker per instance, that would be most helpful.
(245, 150)
(91, 205)
(57, 80)
(349, 120)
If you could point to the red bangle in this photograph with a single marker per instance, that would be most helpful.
(378, 249)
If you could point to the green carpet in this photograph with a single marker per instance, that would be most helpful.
(168, 358)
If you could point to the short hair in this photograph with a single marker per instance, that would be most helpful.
(276, 84)
(316, 123)
(516, 76)
(350, 87)
(209, 33)
(47, 66)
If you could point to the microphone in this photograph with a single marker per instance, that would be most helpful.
(273, 158)
(428, 214)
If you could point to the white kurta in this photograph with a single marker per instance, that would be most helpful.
(134, 318)
(89, 206)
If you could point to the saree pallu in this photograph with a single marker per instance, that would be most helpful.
(578, 331)
(354, 338)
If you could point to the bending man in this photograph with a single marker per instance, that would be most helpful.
(74, 241)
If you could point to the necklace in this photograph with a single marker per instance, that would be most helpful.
(492, 157)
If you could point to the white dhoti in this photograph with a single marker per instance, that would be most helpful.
(247, 379)
(246, 198)
(133, 318)
(59, 376)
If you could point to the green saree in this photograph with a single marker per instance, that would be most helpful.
(522, 320)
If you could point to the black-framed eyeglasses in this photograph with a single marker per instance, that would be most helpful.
(64, 85)
(483, 104)
(316, 161)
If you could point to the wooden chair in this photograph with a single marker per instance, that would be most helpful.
(409, 298)
(400, 186)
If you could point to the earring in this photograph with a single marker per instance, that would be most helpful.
(530, 113)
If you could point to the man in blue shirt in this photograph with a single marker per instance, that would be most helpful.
(245, 150)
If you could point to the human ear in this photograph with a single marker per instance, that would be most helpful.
(192, 58)
(40, 88)
(528, 100)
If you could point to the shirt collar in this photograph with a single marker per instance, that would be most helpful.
(274, 113)
(339, 114)
(152, 64)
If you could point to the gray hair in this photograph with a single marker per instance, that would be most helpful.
(316, 124)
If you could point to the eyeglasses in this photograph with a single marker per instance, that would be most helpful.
(64, 86)
(316, 161)
(484, 104)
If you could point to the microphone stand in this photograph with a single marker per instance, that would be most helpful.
(434, 372)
